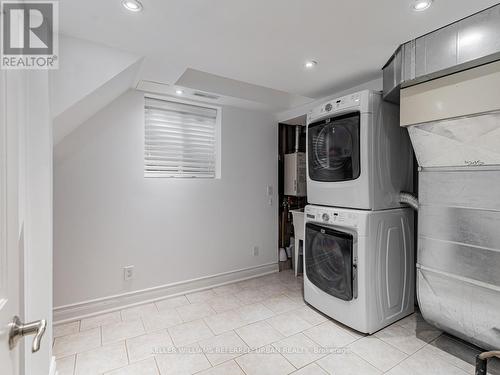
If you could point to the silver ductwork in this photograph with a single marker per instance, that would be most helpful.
(454, 126)
(458, 258)
(470, 42)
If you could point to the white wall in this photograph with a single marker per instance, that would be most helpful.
(107, 215)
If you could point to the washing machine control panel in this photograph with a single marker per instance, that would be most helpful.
(332, 216)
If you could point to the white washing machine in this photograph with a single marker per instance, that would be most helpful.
(357, 154)
(359, 265)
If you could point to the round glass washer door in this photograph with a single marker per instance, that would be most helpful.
(329, 260)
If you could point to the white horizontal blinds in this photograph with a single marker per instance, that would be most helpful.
(180, 140)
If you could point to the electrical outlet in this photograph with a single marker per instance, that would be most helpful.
(128, 273)
(269, 190)
(255, 251)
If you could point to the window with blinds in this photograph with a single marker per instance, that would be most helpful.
(180, 140)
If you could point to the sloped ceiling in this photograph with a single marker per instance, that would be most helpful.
(90, 77)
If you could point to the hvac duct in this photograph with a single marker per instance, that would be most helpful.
(454, 126)
(409, 199)
(465, 44)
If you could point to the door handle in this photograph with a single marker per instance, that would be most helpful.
(18, 330)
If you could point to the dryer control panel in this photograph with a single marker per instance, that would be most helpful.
(354, 102)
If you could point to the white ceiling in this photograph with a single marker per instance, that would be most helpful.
(262, 42)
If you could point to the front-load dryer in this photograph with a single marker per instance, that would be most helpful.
(357, 154)
(359, 265)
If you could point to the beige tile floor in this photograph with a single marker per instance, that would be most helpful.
(256, 327)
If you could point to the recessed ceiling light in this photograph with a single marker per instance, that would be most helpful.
(179, 92)
(310, 64)
(132, 5)
(421, 5)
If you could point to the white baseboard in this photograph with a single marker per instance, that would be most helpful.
(68, 313)
(53, 369)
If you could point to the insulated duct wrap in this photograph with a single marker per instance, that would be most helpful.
(458, 259)
(456, 138)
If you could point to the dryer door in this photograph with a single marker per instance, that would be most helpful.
(329, 260)
(334, 148)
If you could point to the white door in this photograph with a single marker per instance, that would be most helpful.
(9, 224)
(25, 219)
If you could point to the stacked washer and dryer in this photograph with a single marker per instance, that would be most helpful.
(358, 253)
